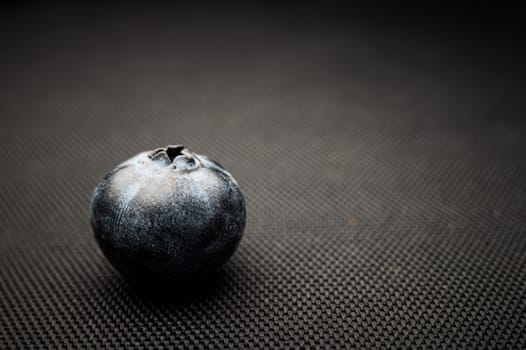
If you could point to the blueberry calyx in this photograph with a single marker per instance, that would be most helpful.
(176, 156)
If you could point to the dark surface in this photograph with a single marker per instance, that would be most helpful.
(382, 161)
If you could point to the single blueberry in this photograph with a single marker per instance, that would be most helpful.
(168, 216)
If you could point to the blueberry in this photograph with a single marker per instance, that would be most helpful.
(168, 216)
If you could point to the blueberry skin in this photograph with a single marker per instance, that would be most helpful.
(168, 216)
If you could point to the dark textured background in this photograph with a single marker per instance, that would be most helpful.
(381, 154)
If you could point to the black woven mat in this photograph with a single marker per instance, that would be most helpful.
(383, 166)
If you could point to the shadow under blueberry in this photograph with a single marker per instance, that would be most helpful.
(238, 278)
(174, 295)
(182, 292)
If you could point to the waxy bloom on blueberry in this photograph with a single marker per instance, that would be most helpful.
(168, 215)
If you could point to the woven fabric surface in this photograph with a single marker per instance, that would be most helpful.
(383, 168)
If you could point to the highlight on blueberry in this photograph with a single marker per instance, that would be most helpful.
(168, 216)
